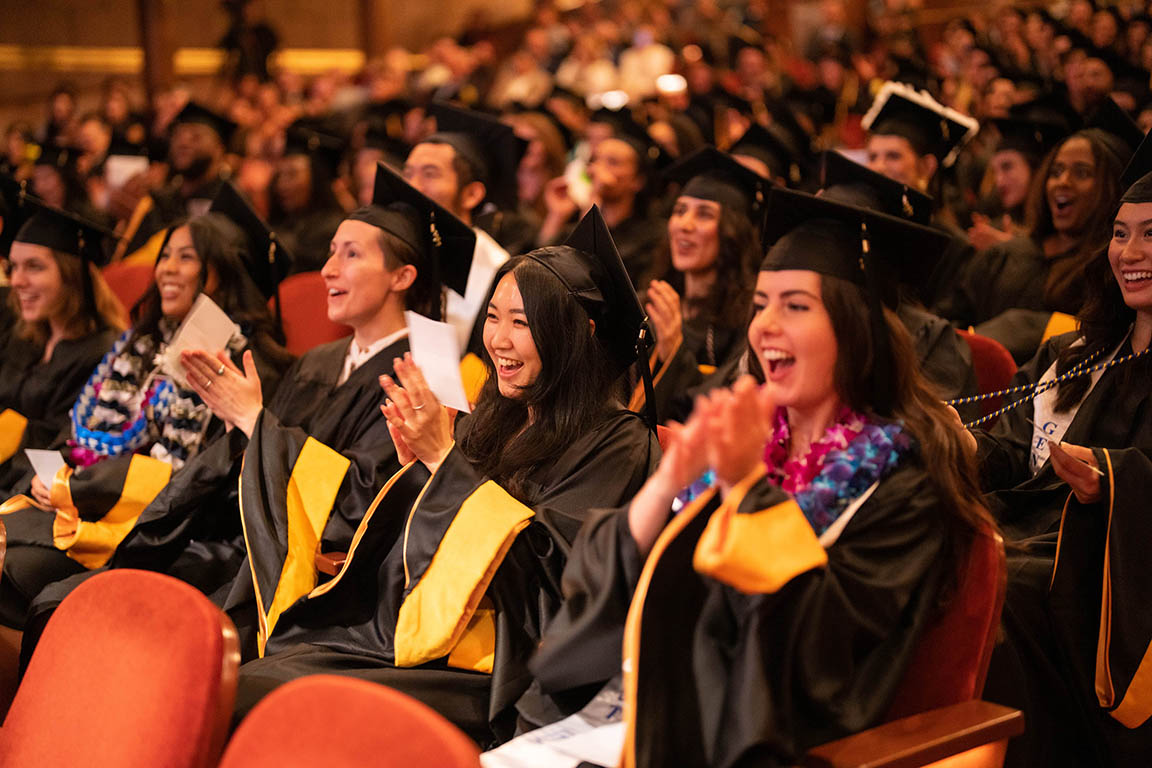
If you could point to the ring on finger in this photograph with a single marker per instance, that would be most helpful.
(417, 407)
(220, 370)
(208, 384)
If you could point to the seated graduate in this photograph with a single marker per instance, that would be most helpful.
(67, 318)
(324, 416)
(451, 611)
(780, 606)
(1009, 291)
(472, 158)
(1068, 473)
(134, 425)
(303, 208)
(699, 299)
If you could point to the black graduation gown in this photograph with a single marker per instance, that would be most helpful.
(744, 641)
(192, 530)
(450, 610)
(1001, 293)
(1048, 663)
(41, 394)
(100, 505)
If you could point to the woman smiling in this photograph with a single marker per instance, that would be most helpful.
(489, 508)
(781, 605)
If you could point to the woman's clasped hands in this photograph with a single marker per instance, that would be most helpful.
(421, 428)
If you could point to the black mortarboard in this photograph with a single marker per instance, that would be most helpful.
(1137, 177)
(1114, 121)
(197, 113)
(490, 146)
(1033, 138)
(269, 261)
(1049, 106)
(421, 223)
(12, 210)
(303, 139)
(709, 174)
(67, 233)
(626, 129)
(591, 270)
(773, 150)
(846, 181)
(929, 126)
(865, 247)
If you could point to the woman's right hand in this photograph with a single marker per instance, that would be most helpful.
(41, 494)
(663, 307)
(969, 438)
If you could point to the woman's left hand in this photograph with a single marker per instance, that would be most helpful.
(740, 425)
(415, 414)
(235, 396)
(1076, 465)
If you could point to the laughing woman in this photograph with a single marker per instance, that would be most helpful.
(1009, 291)
(451, 613)
(62, 331)
(781, 605)
(132, 426)
(1069, 474)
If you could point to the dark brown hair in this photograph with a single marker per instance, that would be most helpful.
(83, 319)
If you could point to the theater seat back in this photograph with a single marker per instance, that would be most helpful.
(304, 313)
(951, 661)
(128, 281)
(341, 722)
(134, 670)
(994, 367)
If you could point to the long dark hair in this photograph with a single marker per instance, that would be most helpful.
(1104, 321)
(942, 447)
(1063, 289)
(572, 394)
(737, 254)
(222, 248)
(321, 197)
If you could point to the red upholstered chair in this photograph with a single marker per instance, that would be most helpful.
(134, 670)
(936, 713)
(994, 368)
(128, 281)
(304, 313)
(342, 722)
(663, 435)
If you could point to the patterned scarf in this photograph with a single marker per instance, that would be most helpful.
(128, 406)
(855, 452)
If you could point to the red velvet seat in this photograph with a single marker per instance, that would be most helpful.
(128, 281)
(994, 367)
(134, 670)
(304, 313)
(342, 722)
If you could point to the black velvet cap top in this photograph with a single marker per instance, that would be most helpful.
(849, 182)
(1115, 122)
(591, 270)
(929, 126)
(1031, 137)
(772, 149)
(401, 210)
(64, 232)
(490, 147)
(268, 262)
(197, 113)
(302, 138)
(710, 174)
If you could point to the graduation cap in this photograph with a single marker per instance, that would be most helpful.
(1137, 177)
(402, 210)
(490, 147)
(709, 174)
(931, 127)
(846, 181)
(769, 147)
(194, 112)
(65, 232)
(301, 138)
(269, 261)
(625, 128)
(591, 270)
(865, 247)
(12, 210)
(1115, 122)
(1032, 138)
